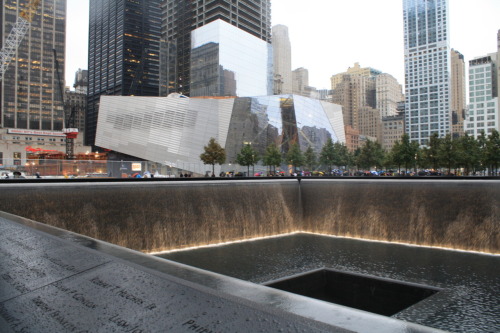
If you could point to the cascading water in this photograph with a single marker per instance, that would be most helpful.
(158, 216)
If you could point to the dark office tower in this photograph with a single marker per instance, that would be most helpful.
(181, 17)
(124, 47)
(29, 97)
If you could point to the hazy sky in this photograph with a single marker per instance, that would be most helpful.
(328, 36)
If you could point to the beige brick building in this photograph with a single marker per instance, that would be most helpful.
(351, 138)
(353, 93)
(370, 123)
(388, 93)
(356, 70)
(393, 127)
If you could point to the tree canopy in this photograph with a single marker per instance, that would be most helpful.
(213, 154)
(295, 157)
(272, 157)
(247, 157)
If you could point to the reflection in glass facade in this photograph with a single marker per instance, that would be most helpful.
(29, 97)
(181, 17)
(173, 130)
(227, 61)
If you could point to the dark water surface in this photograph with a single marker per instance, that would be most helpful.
(469, 301)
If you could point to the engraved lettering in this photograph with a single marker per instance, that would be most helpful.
(100, 282)
(80, 298)
(196, 327)
(10, 319)
(128, 296)
(151, 306)
(59, 263)
(41, 304)
(16, 284)
(189, 322)
(58, 317)
(23, 264)
(120, 322)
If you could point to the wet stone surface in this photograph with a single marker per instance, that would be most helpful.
(51, 285)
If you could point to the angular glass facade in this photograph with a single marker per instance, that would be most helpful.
(227, 61)
(174, 130)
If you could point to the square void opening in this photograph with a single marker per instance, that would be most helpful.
(382, 296)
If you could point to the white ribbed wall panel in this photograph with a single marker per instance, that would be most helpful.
(160, 129)
(336, 118)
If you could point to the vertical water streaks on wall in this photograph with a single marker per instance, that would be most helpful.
(454, 214)
(160, 216)
(157, 216)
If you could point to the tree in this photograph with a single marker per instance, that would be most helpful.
(395, 156)
(371, 154)
(431, 154)
(342, 155)
(213, 154)
(407, 152)
(482, 141)
(294, 157)
(310, 158)
(448, 152)
(493, 151)
(327, 155)
(272, 157)
(468, 153)
(247, 157)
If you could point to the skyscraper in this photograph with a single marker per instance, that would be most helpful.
(29, 97)
(300, 81)
(356, 94)
(427, 68)
(282, 60)
(389, 93)
(483, 114)
(124, 47)
(457, 93)
(181, 17)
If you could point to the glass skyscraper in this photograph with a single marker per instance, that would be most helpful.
(29, 95)
(427, 69)
(181, 17)
(124, 53)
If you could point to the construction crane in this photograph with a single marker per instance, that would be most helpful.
(69, 116)
(16, 35)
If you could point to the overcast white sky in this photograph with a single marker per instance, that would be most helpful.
(328, 36)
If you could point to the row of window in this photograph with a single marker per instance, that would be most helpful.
(481, 124)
